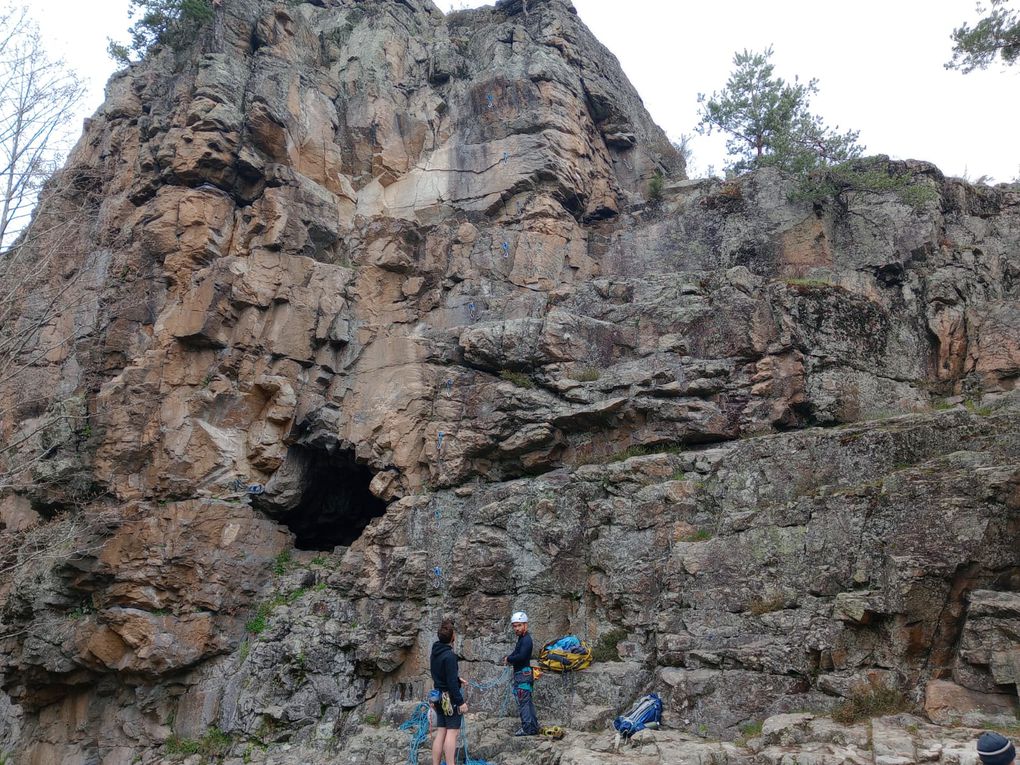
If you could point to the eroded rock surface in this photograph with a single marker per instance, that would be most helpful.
(371, 321)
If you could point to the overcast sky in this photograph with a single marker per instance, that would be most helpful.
(879, 64)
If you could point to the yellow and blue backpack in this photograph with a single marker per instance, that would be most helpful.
(568, 654)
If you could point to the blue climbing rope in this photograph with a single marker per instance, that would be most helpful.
(418, 726)
(464, 738)
(504, 680)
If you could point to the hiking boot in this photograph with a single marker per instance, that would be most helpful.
(522, 732)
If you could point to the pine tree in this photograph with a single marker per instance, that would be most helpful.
(162, 22)
(769, 122)
(998, 33)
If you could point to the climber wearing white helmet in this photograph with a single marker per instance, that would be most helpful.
(520, 660)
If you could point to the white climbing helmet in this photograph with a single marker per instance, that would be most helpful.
(519, 617)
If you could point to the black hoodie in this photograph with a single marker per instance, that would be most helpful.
(445, 672)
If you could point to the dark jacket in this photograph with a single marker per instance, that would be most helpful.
(521, 657)
(445, 672)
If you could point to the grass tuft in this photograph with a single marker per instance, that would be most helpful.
(872, 700)
(519, 379)
(606, 647)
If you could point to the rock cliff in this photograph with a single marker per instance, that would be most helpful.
(358, 315)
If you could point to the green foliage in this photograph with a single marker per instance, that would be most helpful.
(751, 729)
(283, 562)
(587, 374)
(869, 176)
(607, 646)
(519, 379)
(655, 187)
(372, 720)
(258, 623)
(180, 747)
(872, 700)
(974, 408)
(998, 33)
(161, 22)
(698, 535)
(82, 610)
(808, 282)
(119, 53)
(643, 450)
(769, 123)
(213, 743)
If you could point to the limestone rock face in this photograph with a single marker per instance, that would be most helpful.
(364, 317)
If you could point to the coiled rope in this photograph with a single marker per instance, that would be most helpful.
(418, 724)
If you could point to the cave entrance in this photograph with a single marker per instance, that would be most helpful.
(336, 504)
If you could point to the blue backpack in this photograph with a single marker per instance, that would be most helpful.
(646, 713)
(568, 643)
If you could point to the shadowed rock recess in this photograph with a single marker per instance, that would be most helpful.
(371, 320)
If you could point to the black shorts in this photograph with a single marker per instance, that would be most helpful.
(446, 721)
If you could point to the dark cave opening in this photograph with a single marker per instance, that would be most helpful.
(336, 505)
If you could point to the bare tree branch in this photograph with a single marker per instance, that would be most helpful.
(43, 287)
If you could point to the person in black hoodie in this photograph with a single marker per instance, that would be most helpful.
(451, 707)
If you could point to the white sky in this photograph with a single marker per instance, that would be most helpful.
(879, 64)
